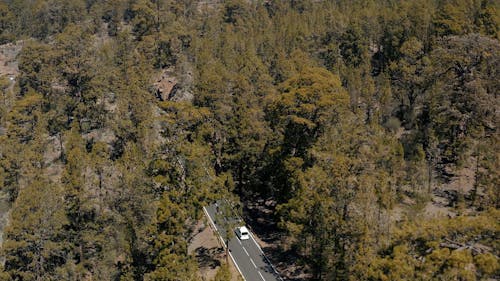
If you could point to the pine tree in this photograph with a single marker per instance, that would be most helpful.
(35, 243)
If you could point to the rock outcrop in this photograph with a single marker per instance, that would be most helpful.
(170, 88)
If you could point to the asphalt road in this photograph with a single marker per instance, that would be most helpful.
(246, 254)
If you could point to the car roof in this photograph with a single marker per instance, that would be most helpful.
(243, 229)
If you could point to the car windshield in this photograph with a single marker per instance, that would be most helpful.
(244, 233)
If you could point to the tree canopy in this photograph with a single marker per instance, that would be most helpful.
(368, 128)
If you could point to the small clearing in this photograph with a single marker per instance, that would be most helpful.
(209, 253)
(8, 59)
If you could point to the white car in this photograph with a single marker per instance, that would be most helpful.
(242, 233)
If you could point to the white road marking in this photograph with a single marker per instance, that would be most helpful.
(264, 255)
(211, 221)
(232, 258)
(230, 255)
(253, 263)
(237, 267)
(258, 246)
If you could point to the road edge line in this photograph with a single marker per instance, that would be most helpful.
(215, 227)
(264, 255)
(230, 255)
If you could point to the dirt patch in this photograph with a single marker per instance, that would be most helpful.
(463, 179)
(105, 135)
(5, 206)
(165, 84)
(445, 196)
(209, 253)
(8, 59)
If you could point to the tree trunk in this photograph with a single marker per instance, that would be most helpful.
(227, 251)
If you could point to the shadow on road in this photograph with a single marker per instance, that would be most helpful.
(259, 213)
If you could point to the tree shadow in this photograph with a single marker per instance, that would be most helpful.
(259, 215)
(208, 258)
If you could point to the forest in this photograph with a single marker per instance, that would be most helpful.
(372, 126)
